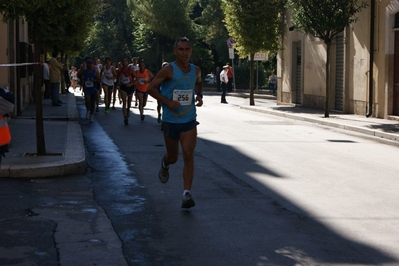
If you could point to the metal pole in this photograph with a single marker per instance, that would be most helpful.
(234, 75)
(257, 75)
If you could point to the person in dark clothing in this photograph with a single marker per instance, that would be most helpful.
(218, 70)
(67, 80)
(224, 80)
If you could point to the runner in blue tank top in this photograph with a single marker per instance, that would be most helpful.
(88, 76)
(181, 92)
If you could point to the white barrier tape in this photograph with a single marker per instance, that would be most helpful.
(19, 64)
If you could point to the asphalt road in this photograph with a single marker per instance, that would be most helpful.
(269, 191)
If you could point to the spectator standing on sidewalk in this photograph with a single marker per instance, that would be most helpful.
(56, 69)
(217, 77)
(224, 80)
(46, 80)
(179, 82)
(230, 75)
(273, 83)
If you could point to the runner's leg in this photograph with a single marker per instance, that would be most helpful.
(188, 141)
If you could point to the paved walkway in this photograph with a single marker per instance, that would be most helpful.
(63, 142)
(65, 147)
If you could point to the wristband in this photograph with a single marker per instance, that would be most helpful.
(200, 95)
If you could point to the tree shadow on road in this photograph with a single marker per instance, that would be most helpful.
(258, 225)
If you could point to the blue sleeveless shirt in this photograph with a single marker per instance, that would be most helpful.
(88, 85)
(180, 88)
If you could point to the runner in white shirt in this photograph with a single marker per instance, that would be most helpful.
(108, 75)
(135, 66)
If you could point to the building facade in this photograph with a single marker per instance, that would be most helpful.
(15, 49)
(364, 65)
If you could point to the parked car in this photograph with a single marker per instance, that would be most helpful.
(209, 79)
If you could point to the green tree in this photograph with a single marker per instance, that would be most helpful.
(324, 22)
(170, 18)
(159, 23)
(252, 31)
(111, 34)
(213, 32)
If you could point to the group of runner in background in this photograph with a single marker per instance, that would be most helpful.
(124, 80)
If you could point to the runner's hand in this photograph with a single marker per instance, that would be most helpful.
(199, 101)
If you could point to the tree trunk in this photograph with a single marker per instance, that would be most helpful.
(251, 81)
(40, 142)
(328, 67)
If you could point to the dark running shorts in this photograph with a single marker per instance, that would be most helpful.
(129, 91)
(109, 87)
(142, 92)
(173, 130)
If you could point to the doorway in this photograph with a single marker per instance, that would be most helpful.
(297, 72)
(396, 76)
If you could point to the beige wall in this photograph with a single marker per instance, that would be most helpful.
(21, 87)
(357, 57)
(3, 53)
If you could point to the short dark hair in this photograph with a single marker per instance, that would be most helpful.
(181, 39)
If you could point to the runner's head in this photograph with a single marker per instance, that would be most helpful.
(182, 50)
(124, 62)
(141, 64)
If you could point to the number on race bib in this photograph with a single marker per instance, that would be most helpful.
(89, 83)
(185, 97)
(125, 80)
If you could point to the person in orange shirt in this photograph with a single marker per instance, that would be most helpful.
(143, 79)
(230, 75)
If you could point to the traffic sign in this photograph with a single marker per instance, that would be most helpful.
(230, 42)
(260, 56)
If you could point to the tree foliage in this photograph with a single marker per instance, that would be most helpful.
(324, 22)
(329, 18)
(250, 27)
(251, 30)
(170, 18)
(62, 23)
(112, 32)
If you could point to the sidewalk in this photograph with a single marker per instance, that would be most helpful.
(375, 127)
(64, 140)
(266, 103)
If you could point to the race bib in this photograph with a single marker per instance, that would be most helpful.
(89, 83)
(125, 80)
(185, 97)
(142, 80)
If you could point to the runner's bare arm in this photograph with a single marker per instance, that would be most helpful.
(165, 74)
